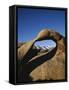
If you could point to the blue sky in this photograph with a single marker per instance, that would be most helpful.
(32, 21)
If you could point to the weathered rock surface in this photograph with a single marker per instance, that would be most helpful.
(46, 65)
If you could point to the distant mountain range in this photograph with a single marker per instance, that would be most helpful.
(38, 48)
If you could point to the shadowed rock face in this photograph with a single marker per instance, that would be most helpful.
(44, 66)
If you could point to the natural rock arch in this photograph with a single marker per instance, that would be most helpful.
(30, 64)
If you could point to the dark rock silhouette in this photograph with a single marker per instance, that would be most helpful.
(46, 65)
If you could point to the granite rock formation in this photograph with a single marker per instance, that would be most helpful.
(48, 65)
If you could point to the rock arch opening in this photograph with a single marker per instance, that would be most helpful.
(45, 44)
